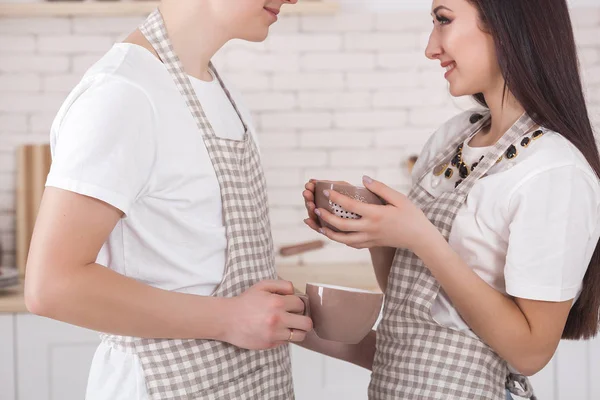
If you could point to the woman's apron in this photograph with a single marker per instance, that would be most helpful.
(208, 369)
(417, 358)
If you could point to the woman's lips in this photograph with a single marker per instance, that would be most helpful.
(449, 66)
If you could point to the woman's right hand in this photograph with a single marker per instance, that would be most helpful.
(263, 317)
(309, 202)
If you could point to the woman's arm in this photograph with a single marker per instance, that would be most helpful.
(382, 259)
(63, 282)
(525, 333)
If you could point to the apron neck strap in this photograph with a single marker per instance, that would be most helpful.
(155, 31)
(519, 128)
(465, 132)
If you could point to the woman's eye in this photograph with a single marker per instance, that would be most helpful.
(442, 20)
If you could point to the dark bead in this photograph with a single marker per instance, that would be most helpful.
(525, 142)
(448, 173)
(475, 118)
(457, 183)
(481, 158)
(455, 160)
(511, 152)
(537, 133)
(474, 166)
(463, 171)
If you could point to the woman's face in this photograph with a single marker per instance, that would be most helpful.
(464, 50)
(248, 19)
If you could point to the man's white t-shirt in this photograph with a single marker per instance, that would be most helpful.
(529, 228)
(125, 136)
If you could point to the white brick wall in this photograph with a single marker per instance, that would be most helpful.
(333, 97)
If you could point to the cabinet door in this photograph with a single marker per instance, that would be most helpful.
(318, 377)
(7, 357)
(53, 358)
(594, 357)
(573, 370)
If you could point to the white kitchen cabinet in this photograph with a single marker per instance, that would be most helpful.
(53, 359)
(42, 359)
(7, 357)
(573, 374)
(594, 358)
(317, 377)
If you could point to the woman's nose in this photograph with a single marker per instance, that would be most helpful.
(434, 50)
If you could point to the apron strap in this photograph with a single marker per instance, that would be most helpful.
(519, 128)
(155, 31)
(465, 132)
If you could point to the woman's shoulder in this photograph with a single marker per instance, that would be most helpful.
(545, 150)
(444, 135)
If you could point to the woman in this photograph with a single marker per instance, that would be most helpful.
(493, 255)
(156, 175)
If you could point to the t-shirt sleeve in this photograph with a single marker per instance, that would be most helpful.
(553, 219)
(104, 147)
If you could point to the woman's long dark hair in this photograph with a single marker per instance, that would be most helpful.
(536, 51)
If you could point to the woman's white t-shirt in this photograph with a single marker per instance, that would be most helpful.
(125, 136)
(529, 228)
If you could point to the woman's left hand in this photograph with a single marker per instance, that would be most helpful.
(399, 224)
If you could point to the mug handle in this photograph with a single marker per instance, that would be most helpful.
(304, 299)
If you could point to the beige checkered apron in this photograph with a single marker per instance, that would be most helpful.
(204, 369)
(417, 358)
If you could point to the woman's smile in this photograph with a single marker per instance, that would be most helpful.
(450, 66)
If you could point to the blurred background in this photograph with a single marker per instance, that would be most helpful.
(340, 89)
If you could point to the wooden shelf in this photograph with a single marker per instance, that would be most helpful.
(128, 8)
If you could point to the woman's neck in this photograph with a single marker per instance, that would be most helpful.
(505, 111)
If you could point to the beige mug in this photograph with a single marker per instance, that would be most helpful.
(357, 193)
(341, 314)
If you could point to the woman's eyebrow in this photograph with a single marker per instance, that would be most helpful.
(438, 8)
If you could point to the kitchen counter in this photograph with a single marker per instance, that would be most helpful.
(359, 276)
(11, 300)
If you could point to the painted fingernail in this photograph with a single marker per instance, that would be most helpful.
(318, 212)
(367, 180)
(326, 193)
(322, 231)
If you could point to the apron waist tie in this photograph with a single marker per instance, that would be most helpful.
(523, 389)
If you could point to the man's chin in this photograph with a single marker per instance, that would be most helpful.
(256, 36)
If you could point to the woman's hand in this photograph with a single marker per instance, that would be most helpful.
(309, 202)
(399, 224)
